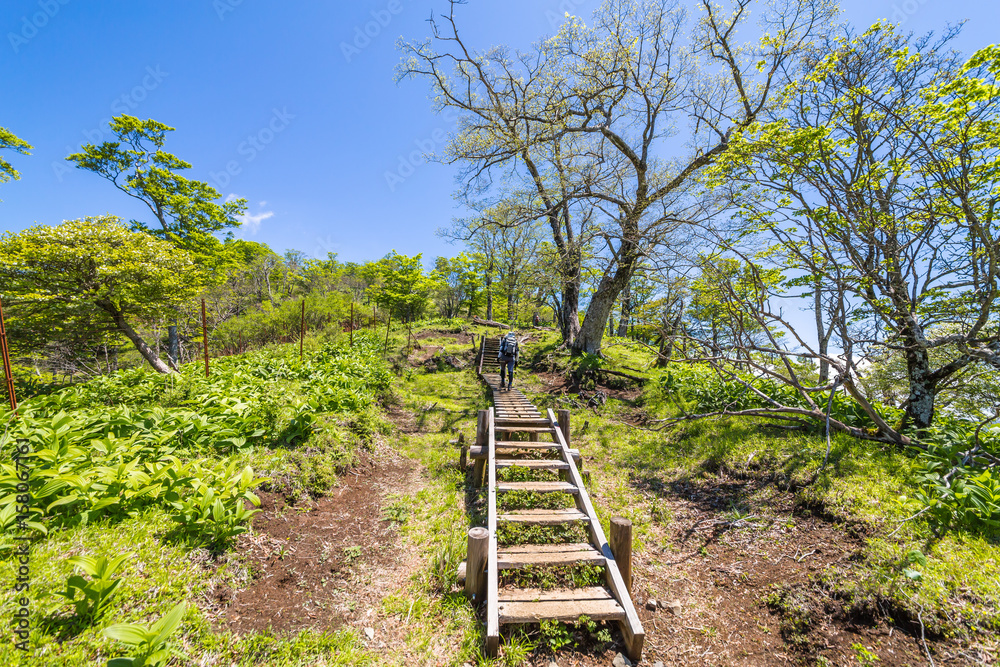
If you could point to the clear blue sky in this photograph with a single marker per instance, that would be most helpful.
(327, 125)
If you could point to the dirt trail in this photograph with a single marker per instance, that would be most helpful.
(327, 562)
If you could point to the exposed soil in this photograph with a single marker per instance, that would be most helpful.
(322, 563)
(720, 569)
(463, 337)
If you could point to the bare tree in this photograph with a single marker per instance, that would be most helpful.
(584, 117)
(878, 185)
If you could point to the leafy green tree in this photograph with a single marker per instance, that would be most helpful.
(185, 210)
(881, 179)
(9, 141)
(94, 266)
(398, 283)
(459, 286)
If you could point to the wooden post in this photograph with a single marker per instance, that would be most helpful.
(302, 329)
(475, 564)
(388, 323)
(463, 456)
(408, 333)
(204, 334)
(352, 324)
(563, 417)
(621, 548)
(8, 374)
(481, 441)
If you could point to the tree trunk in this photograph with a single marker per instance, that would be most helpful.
(119, 319)
(626, 313)
(821, 334)
(601, 304)
(569, 324)
(920, 409)
(489, 294)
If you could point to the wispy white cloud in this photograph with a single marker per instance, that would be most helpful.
(250, 222)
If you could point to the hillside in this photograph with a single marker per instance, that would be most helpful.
(745, 551)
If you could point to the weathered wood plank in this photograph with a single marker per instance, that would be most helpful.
(554, 594)
(511, 613)
(534, 464)
(537, 487)
(541, 517)
(515, 559)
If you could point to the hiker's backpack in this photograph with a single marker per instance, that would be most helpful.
(508, 346)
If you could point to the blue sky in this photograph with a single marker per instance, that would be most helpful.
(282, 103)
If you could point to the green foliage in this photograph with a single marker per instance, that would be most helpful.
(957, 493)
(95, 594)
(98, 451)
(10, 141)
(185, 210)
(151, 642)
(398, 284)
(212, 517)
(88, 272)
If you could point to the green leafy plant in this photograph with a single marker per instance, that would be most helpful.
(556, 635)
(213, 517)
(151, 642)
(90, 599)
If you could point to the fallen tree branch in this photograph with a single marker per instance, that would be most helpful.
(489, 323)
(636, 378)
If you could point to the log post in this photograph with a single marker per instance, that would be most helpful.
(620, 542)
(481, 441)
(8, 374)
(563, 417)
(475, 564)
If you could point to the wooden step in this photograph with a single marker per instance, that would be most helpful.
(516, 557)
(503, 422)
(534, 464)
(526, 429)
(539, 517)
(530, 605)
(537, 487)
(481, 452)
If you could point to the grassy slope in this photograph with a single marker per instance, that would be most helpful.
(958, 591)
(158, 574)
(865, 487)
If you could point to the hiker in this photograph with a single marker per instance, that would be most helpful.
(508, 358)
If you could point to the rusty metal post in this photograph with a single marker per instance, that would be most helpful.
(388, 323)
(7, 372)
(352, 324)
(204, 334)
(302, 330)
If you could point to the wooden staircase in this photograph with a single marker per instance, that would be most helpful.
(498, 445)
